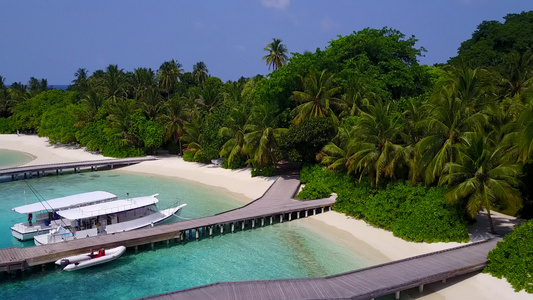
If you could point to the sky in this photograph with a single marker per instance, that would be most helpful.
(53, 39)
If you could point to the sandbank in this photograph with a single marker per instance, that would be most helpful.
(377, 245)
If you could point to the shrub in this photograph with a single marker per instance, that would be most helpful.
(6, 125)
(188, 156)
(314, 190)
(412, 213)
(266, 171)
(238, 162)
(427, 218)
(513, 258)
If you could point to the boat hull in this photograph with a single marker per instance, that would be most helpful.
(147, 221)
(26, 236)
(83, 261)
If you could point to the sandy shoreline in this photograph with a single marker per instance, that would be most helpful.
(375, 244)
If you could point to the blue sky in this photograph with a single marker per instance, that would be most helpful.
(52, 39)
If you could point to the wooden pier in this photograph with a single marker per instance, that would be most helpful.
(368, 283)
(275, 206)
(39, 170)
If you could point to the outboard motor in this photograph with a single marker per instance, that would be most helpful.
(65, 262)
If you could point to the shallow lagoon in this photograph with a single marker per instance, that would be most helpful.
(286, 250)
(9, 158)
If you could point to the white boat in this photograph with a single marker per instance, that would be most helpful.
(81, 261)
(46, 216)
(107, 218)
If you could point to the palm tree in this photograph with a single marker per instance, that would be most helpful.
(482, 177)
(261, 137)
(524, 138)
(517, 72)
(168, 76)
(277, 54)
(376, 149)
(356, 98)
(173, 120)
(37, 86)
(234, 133)
(200, 72)
(316, 98)
(93, 101)
(81, 84)
(453, 110)
(142, 82)
(336, 153)
(115, 82)
(151, 102)
(120, 121)
(193, 136)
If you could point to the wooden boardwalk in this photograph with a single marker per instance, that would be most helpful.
(368, 283)
(276, 205)
(37, 170)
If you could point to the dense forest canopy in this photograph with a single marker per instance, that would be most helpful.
(362, 106)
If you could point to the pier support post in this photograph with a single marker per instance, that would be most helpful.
(271, 220)
(181, 236)
(262, 222)
(197, 233)
(136, 249)
(168, 243)
(444, 280)
(421, 288)
(290, 216)
(221, 228)
(253, 223)
(210, 230)
(397, 295)
(306, 212)
(281, 218)
(152, 245)
(232, 227)
(297, 214)
(242, 226)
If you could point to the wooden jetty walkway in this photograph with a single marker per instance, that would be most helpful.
(276, 205)
(38, 170)
(367, 283)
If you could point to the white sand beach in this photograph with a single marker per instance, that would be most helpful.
(376, 244)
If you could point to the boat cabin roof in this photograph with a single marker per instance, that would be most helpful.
(106, 208)
(66, 202)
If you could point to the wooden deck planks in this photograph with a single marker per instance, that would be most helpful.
(57, 166)
(366, 283)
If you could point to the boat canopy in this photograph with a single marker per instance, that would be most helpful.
(66, 202)
(106, 208)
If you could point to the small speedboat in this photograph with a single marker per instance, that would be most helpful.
(81, 261)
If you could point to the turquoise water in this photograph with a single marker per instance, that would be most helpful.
(286, 250)
(10, 158)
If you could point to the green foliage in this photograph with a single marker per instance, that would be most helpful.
(148, 132)
(427, 218)
(58, 124)
(238, 162)
(188, 156)
(266, 171)
(6, 125)
(303, 141)
(513, 258)
(413, 213)
(492, 40)
(314, 190)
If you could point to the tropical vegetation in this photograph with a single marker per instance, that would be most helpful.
(362, 107)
